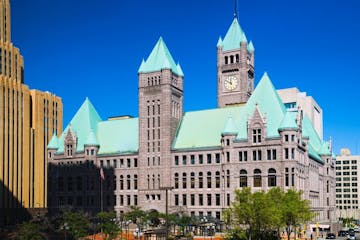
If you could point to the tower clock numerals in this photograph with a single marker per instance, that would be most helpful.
(230, 83)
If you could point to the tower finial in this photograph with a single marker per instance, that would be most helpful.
(235, 9)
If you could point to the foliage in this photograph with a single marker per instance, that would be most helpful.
(29, 230)
(261, 215)
(75, 223)
(152, 218)
(135, 215)
(108, 224)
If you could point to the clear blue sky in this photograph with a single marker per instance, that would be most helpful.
(93, 48)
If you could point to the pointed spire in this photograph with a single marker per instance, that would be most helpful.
(250, 47)
(159, 58)
(289, 121)
(180, 72)
(142, 66)
(234, 36)
(219, 43)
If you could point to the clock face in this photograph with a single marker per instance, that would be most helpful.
(230, 83)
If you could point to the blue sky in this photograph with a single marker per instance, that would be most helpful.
(93, 48)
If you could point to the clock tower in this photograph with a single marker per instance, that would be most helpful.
(235, 67)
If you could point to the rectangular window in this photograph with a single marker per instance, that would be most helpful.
(192, 199)
(176, 196)
(209, 199)
(217, 199)
(184, 199)
(217, 157)
(228, 199)
(227, 156)
(286, 138)
(176, 160)
(254, 155)
(115, 163)
(286, 153)
(274, 154)
(209, 158)
(201, 161)
(268, 154)
(128, 162)
(192, 159)
(259, 155)
(201, 200)
(293, 153)
(184, 160)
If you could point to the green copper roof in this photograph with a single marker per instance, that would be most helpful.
(269, 104)
(54, 143)
(84, 121)
(203, 129)
(230, 127)
(118, 136)
(325, 149)
(289, 121)
(91, 139)
(250, 47)
(180, 72)
(234, 36)
(159, 58)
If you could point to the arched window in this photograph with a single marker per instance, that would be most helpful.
(271, 177)
(217, 179)
(184, 180)
(148, 181)
(208, 179)
(226, 60)
(153, 181)
(135, 182)
(121, 182)
(192, 180)
(257, 178)
(243, 178)
(176, 180)
(128, 182)
(201, 180)
(158, 181)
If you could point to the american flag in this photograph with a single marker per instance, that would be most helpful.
(102, 174)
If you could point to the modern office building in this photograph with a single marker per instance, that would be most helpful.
(293, 98)
(28, 119)
(198, 158)
(347, 182)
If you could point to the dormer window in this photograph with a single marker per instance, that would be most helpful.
(257, 135)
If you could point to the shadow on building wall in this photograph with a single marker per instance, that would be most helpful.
(79, 186)
(12, 211)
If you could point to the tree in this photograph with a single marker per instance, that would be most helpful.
(262, 215)
(108, 224)
(75, 223)
(135, 215)
(29, 231)
(294, 210)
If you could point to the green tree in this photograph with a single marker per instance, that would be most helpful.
(29, 231)
(294, 211)
(108, 224)
(75, 223)
(135, 215)
(262, 215)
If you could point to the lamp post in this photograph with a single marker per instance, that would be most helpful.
(203, 221)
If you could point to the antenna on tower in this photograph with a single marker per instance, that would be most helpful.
(235, 8)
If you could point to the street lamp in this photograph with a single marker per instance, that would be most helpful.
(166, 208)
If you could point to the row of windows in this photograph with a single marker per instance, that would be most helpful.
(126, 183)
(347, 201)
(349, 207)
(346, 195)
(232, 59)
(127, 198)
(119, 163)
(289, 138)
(345, 173)
(354, 167)
(154, 80)
(152, 109)
(346, 184)
(338, 179)
(346, 190)
(338, 162)
(200, 159)
(200, 199)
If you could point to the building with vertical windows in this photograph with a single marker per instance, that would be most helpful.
(28, 119)
(198, 158)
(347, 182)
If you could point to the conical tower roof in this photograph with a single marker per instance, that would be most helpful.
(159, 58)
(234, 36)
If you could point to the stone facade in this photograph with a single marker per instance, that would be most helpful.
(199, 179)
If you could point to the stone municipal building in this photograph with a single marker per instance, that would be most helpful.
(256, 137)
